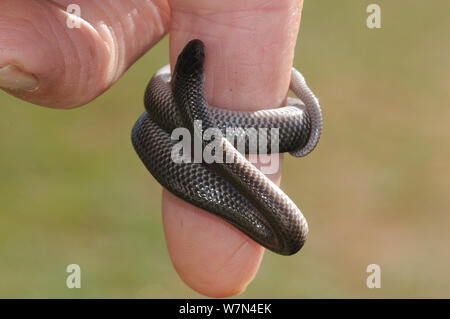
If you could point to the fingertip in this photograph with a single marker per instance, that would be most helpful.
(209, 255)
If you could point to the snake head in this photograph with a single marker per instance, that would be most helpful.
(191, 60)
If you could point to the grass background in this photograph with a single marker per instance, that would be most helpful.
(377, 189)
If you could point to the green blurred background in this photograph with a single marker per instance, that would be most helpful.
(377, 189)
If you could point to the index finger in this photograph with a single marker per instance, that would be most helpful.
(250, 49)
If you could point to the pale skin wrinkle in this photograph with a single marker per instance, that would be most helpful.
(250, 48)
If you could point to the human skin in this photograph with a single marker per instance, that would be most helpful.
(249, 47)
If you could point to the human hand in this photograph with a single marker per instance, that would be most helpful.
(249, 46)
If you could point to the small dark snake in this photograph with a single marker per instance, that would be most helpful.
(235, 191)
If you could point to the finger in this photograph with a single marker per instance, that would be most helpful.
(249, 48)
(45, 62)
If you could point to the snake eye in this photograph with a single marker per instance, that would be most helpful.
(191, 59)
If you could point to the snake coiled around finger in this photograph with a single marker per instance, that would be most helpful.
(233, 189)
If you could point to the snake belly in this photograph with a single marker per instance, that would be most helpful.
(235, 190)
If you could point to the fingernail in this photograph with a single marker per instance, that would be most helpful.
(13, 78)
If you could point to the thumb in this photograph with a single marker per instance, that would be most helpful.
(44, 61)
(249, 53)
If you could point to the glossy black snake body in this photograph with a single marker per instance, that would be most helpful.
(233, 190)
